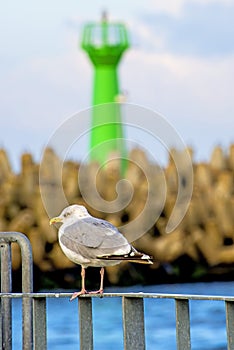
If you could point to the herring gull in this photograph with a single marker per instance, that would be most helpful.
(89, 241)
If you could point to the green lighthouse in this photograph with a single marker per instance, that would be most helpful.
(105, 43)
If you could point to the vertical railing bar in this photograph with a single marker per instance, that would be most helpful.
(27, 287)
(39, 324)
(229, 305)
(27, 283)
(133, 323)
(182, 324)
(1, 338)
(6, 303)
(85, 323)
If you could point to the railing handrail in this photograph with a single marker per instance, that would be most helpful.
(120, 295)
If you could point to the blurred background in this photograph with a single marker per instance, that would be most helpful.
(180, 64)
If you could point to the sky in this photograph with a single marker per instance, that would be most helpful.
(180, 64)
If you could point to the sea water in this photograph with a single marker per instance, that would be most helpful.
(208, 324)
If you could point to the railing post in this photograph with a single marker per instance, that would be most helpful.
(133, 323)
(86, 323)
(182, 324)
(230, 324)
(6, 303)
(27, 281)
(27, 287)
(39, 324)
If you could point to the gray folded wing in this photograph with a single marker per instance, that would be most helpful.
(93, 237)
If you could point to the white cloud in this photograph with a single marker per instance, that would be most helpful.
(141, 34)
(46, 89)
(176, 7)
(208, 2)
(171, 7)
(194, 94)
(199, 87)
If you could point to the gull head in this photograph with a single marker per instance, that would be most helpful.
(70, 214)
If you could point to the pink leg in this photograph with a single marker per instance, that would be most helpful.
(102, 279)
(83, 290)
(100, 291)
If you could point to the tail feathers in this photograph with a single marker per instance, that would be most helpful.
(132, 256)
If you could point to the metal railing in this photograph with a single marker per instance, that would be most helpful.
(34, 310)
(6, 239)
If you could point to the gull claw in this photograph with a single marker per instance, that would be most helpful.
(100, 291)
(77, 294)
(84, 291)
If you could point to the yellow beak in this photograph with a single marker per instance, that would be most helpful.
(55, 220)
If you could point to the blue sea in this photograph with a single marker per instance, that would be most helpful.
(208, 325)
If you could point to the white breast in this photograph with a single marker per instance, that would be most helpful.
(73, 256)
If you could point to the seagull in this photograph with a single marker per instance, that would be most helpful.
(89, 241)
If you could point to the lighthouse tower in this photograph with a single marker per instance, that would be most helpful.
(105, 44)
